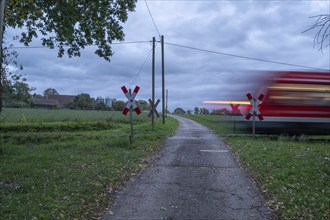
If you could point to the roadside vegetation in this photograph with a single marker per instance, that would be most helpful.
(219, 123)
(66, 164)
(293, 175)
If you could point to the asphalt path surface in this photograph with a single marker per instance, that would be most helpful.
(195, 177)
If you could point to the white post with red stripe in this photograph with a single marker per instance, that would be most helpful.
(255, 110)
(130, 105)
(131, 102)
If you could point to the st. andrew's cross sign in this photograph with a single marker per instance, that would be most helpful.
(153, 108)
(131, 103)
(255, 110)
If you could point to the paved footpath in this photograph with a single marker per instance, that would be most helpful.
(196, 177)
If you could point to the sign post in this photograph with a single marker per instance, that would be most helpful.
(131, 120)
(255, 110)
(130, 105)
(235, 112)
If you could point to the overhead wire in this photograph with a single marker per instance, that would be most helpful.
(152, 18)
(132, 42)
(141, 68)
(115, 43)
(194, 48)
(244, 57)
(229, 0)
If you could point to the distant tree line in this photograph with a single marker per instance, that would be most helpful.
(197, 111)
(17, 94)
(85, 102)
(204, 111)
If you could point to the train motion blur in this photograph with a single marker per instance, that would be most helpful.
(295, 103)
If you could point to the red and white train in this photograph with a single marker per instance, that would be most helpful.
(295, 103)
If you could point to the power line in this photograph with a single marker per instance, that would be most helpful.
(245, 57)
(152, 18)
(116, 43)
(27, 47)
(133, 42)
(141, 68)
(232, 0)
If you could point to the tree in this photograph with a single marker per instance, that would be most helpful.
(222, 111)
(101, 106)
(17, 94)
(119, 105)
(196, 111)
(50, 91)
(70, 25)
(179, 111)
(14, 90)
(144, 105)
(322, 25)
(204, 111)
(83, 102)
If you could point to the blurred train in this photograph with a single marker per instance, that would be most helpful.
(294, 103)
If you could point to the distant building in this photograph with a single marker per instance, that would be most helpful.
(63, 100)
(52, 101)
(45, 103)
(109, 101)
(99, 99)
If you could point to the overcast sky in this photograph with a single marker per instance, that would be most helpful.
(270, 30)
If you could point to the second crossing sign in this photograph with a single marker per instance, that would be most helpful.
(255, 110)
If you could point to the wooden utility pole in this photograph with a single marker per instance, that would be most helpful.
(2, 18)
(163, 81)
(153, 83)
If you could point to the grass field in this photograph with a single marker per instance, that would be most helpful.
(293, 175)
(15, 115)
(219, 123)
(65, 164)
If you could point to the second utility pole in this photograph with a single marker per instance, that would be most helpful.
(163, 81)
(153, 83)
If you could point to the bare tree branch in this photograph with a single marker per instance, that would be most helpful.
(322, 36)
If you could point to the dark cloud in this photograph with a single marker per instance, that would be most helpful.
(261, 29)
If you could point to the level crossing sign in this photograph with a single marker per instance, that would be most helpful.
(235, 111)
(153, 108)
(131, 103)
(255, 110)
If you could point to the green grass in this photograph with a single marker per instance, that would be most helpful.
(293, 175)
(65, 172)
(62, 115)
(219, 123)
